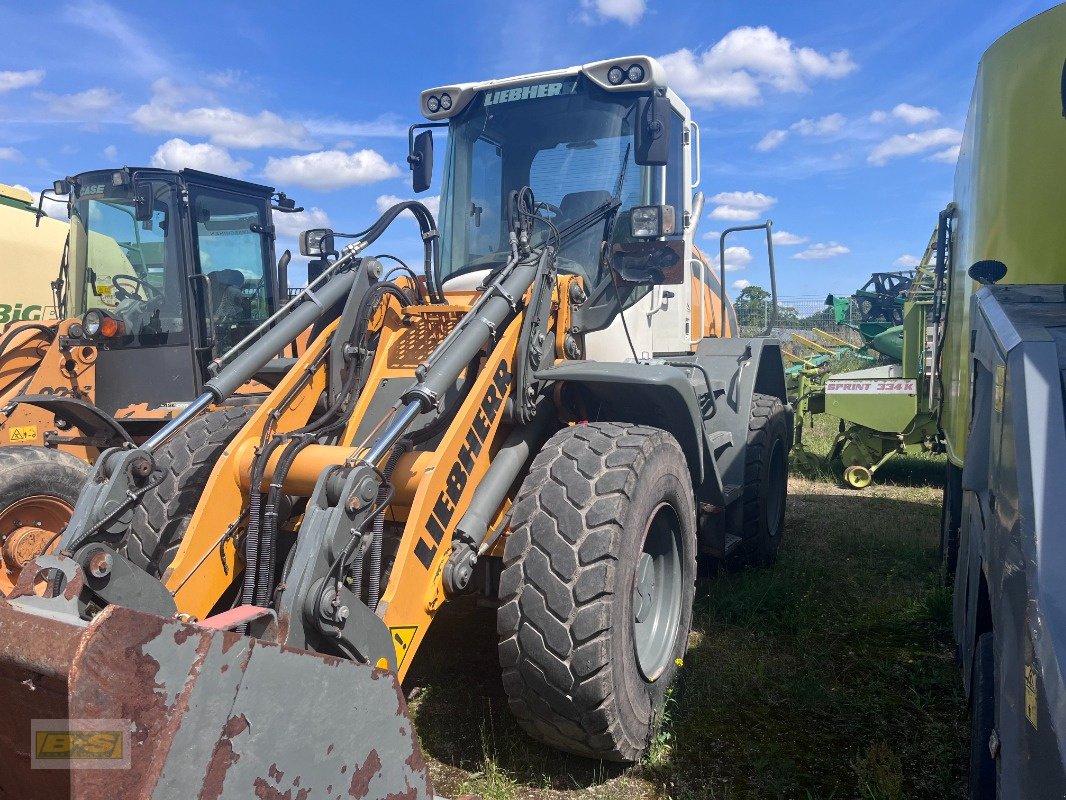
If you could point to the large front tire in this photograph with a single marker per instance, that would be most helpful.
(983, 778)
(186, 461)
(597, 588)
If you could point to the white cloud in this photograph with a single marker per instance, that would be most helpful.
(756, 200)
(10, 80)
(89, 103)
(10, 154)
(386, 201)
(737, 257)
(331, 169)
(771, 140)
(716, 235)
(224, 126)
(20, 186)
(734, 214)
(740, 206)
(912, 115)
(179, 154)
(906, 260)
(740, 284)
(823, 126)
(910, 144)
(110, 152)
(221, 125)
(734, 70)
(296, 223)
(822, 251)
(627, 11)
(948, 156)
(786, 239)
(830, 123)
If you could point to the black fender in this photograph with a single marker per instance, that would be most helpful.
(86, 417)
(646, 394)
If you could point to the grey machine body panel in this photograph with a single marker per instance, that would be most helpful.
(1011, 572)
(704, 400)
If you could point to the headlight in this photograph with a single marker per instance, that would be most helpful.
(433, 104)
(651, 222)
(98, 323)
(615, 76)
(635, 73)
(446, 102)
(91, 322)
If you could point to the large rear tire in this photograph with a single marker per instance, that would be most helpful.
(983, 720)
(950, 522)
(38, 489)
(765, 481)
(597, 588)
(186, 461)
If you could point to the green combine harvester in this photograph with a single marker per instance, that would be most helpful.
(884, 409)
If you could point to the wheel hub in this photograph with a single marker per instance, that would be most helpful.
(657, 593)
(22, 545)
(27, 527)
(644, 589)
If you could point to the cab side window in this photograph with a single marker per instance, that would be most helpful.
(232, 257)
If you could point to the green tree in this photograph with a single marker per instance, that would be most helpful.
(752, 305)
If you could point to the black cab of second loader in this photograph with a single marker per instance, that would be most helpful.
(168, 270)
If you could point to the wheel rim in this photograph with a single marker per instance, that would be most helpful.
(858, 477)
(777, 489)
(28, 525)
(657, 583)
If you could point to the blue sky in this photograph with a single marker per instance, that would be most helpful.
(838, 120)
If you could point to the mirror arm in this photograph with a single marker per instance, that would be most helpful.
(412, 159)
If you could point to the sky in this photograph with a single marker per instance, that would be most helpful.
(839, 121)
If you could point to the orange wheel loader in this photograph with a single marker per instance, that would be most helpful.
(536, 420)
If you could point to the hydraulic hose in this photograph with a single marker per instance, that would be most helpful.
(374, 579)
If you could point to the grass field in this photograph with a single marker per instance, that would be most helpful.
(829, 675)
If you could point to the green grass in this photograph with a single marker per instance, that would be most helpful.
(829, 675)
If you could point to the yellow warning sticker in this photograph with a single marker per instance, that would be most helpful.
(1030, 695)
(22, 433)
(401, 640)
(103, 289)
(998, 388)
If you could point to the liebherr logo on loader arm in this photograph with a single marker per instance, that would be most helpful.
(444, 509)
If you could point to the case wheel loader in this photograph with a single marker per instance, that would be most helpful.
(551, 416)
(163, 272)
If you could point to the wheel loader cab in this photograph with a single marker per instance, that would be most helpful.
(574, 139)
(170, 270)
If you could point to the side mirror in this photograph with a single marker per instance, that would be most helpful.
(142, 200)
(651, 138)
(61, 187)
(421, 161)
(987, 272)
(317, 242)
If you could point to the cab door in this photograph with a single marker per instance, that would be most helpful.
(232, 280)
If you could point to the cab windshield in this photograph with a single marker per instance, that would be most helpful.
(129, 266)
(570, 141)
